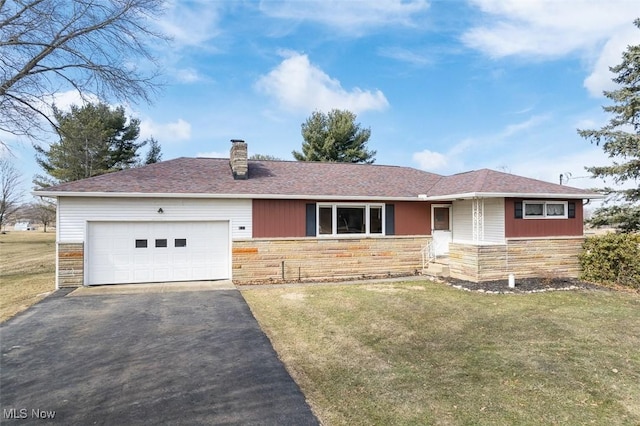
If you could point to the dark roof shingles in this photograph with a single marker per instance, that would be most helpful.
(293, 178)
(213, 176)
(491, 181)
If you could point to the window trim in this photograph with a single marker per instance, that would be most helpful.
(334, 219)
(544, 209)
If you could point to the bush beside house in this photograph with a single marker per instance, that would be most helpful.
(612, 259)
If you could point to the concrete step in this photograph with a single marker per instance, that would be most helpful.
(436, 270)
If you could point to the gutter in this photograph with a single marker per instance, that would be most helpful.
(56, 194)
(420, 197)
(472, 195)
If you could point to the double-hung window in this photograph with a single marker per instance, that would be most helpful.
(545, 209)
(350, 219)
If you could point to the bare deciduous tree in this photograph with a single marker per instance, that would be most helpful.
(9, 190)
(100, 48)
(43, 211)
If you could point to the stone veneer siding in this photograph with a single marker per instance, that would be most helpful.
(308, 259)
(70, 264)
(525, 258)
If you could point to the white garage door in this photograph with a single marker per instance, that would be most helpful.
(142, 252)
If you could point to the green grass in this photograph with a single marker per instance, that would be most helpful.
(27, 269)
(424, 353)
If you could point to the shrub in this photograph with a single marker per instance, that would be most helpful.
(612, 259)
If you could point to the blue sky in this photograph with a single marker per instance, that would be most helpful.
(445, 86)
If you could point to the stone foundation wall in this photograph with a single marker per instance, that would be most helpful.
(70, 264)
(477, 263)
(557, 257)
(308, 259)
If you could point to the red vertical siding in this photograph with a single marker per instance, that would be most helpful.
(542, 227)
(412, 218)
(279, 218)
(287, 218)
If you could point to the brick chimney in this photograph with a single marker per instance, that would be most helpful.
(238, 159)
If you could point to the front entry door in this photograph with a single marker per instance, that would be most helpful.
(441, 229)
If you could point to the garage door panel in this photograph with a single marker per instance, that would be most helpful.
(162, 274)
(121, 259)
(122, 276)
(121, 242)
(194, 251)
(139, 276)
(182, 273)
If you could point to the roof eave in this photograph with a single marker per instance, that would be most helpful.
(56, 194)
(420, 197)
(471, 195)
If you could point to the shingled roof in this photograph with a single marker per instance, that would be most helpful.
(266, 178)
(486, 181)
(212, 177)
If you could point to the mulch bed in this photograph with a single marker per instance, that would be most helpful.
(525, 285)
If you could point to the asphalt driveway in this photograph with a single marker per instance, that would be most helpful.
(195, 357)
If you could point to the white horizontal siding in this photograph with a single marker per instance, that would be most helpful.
(462, 227)
(75, 212)
(493, 221)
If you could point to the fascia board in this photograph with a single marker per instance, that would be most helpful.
(471, 195)
(218, 196)
(421, 197)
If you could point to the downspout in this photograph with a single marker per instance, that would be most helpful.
(58, 243)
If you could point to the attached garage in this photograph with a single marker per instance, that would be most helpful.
(142, 252)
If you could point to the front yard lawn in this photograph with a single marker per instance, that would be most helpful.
(425, 353)
(27, 269)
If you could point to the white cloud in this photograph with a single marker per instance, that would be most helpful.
(187, 75)
(547, 27)
(352, 17)
(486, 141)
(598, 30)
(297, 84)
(515, 128)
(430, 160)
(64, 100)
(404, 55)
(177, 131)
(611, 55)
(212, 154)
(190, 23)
(453, 160)
(587, 123)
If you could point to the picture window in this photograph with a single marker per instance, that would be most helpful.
(350, 219)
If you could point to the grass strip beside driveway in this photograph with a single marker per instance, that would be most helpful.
(424, 353)
(27, 269)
